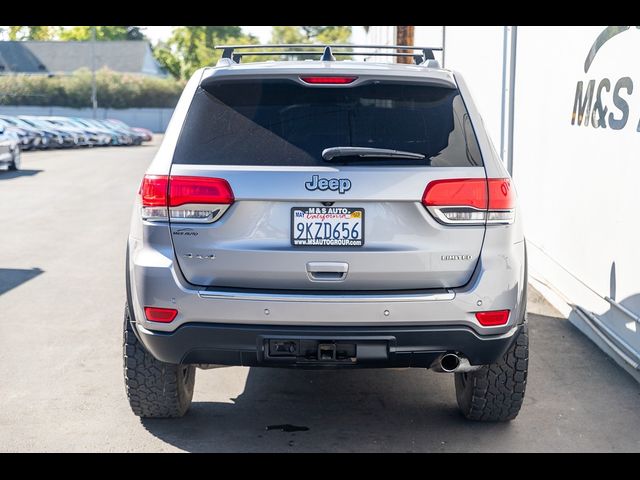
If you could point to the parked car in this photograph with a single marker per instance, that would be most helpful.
(80, 137)
(124, 136)
(92, 135)
(10, 154)
(112, 137)
(42, 139)
(59, 138)
(27, 139)
(327, 214)
(136, 138)
(60, 131)
(146, 133)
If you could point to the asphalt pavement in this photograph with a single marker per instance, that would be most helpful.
(64, 222)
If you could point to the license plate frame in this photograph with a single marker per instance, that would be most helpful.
(329, 242)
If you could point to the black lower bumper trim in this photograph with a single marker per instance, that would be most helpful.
(313, 347)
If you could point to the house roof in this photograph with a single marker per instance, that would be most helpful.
(16, 57)
(131, 56)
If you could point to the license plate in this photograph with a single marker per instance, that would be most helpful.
(327, 226)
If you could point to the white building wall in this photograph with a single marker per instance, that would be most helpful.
(476, 52)
(578, 184)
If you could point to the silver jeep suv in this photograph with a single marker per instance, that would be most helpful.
(326, 214)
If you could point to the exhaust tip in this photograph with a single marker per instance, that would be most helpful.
(449, 362)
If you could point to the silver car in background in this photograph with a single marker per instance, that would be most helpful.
(10, 154)
(326, 214)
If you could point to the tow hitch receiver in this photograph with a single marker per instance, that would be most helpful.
(324, 351)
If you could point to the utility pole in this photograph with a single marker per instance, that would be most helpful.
(509, 49)
(404, 36)
(94, 96)
(444, 41)
(512, 96)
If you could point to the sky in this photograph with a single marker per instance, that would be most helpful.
(263, 32)
(156, 33)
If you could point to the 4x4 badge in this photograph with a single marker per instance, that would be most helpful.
(340, 185)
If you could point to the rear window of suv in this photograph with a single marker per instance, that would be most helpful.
(283, 123)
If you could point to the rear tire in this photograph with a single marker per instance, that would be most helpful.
(495, 392)
(16, 160)
(155, 389)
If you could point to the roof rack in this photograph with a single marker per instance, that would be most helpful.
(329, 52)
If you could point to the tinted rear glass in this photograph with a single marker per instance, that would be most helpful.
(280, 122)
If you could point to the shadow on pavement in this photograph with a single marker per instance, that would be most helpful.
(303, 410)
(9, 174)
(571, 382)
(12, 277)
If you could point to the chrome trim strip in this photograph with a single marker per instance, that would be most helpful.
(218, 209)
(349, 298)
(440, 216)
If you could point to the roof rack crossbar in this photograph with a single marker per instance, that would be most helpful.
(342, 54)
(328, 53)
(324, 45)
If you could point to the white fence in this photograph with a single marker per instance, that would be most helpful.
(155, 119)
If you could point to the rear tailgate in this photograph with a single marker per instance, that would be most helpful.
(298, 221)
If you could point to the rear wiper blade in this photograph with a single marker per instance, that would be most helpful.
(367, 152)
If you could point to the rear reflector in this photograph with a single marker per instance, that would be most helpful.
(207, 198)
(493, 318)
(162, 315)
(329, 80)
(471, 201)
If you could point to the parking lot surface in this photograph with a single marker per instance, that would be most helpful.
(64, 224)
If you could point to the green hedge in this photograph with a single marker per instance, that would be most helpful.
(114, 90)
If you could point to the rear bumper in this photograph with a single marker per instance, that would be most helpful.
(252, 345)
(154, 280)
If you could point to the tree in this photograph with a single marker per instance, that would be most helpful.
(83, 33)
(310, 34)
(192, 47)
(326, 34)
(288, 34)
(33, 33)
(168, 59)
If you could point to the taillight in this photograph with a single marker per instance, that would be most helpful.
(493, 318)
(153, 193)
(184, 199)
(324, 80)
(161, 315)
(471, 201)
